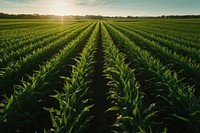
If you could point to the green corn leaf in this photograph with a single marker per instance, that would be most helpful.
(114, 108)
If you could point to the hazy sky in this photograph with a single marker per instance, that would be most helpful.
(102, 7)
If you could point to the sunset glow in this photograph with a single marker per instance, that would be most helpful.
(101, 7)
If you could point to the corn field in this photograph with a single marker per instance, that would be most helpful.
(100, 76)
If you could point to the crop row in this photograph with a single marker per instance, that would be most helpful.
(150, 79)
(34, 44)
(128, 101)
(32, 60)
(73, 112)
(25, 104)
(19, 35)
(188, 69)
(168, 33)
(186, 49)
(176, 103)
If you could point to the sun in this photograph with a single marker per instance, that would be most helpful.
(59, 7)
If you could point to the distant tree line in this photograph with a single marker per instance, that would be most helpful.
(77, 17)
(168, 16)
(37, 16)
(180, 16)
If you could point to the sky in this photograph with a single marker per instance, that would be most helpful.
(102, 7)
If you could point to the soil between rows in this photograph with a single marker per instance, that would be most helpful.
(101, 121)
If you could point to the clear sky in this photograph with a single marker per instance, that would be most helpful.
(102, 7)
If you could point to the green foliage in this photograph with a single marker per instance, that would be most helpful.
(133, 116)
(156, 91)
(173, 98)
(31, 60)
(24, 105)
(72, 115)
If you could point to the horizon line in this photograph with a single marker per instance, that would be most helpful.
(100, 15)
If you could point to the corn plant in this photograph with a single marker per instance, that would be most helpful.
(39, 41)
(31, 35)
(24, 103)
(20, 67)
(178, 106)
(183, 49)
(187, 68)
(72, 115)
(124, 91)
